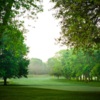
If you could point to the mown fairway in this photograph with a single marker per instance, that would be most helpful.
(27, 93)
(54, 83)
(49, 88)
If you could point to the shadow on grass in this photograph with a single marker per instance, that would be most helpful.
(23, 92)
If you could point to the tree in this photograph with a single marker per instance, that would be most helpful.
(67, 63)
(96, 68)
(13, 51)
(13, 62)
(55, 67)
(80, 22)
(11, 66)
(11, 8)
(36, 66)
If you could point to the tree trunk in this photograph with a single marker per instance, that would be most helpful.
(90, 78)
(83, 77)
(77, 78)
(97, 78)
(5, 81)
(80, 77)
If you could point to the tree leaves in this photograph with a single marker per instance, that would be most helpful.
(79, 22)
(75, 65)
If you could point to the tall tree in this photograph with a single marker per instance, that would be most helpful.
(11, 8)
(80, 22)
(96, 68)
(67, 62)
(55, 67)
(13, 51)
(13, 62)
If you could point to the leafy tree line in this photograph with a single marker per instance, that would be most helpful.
(80, 65)
(13, 50)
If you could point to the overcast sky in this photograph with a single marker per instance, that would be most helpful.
(41, 39)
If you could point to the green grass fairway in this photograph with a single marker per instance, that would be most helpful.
(27, 93)
(48, 82)
(49, 88)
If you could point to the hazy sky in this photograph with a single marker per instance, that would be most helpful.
(41, 39)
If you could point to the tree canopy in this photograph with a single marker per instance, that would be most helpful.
(11, 8)
(13, 62)
(80, 66)
(37, 66)
(80, 22)
(13, 50)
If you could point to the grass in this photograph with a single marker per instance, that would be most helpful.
(49, 88)
(27, 93)
(48, 82)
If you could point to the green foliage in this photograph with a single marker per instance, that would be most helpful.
(12, 8)
(12, 54)
(22, 67)
(80, 65)
(13, 51)
(80, 21)
(11, 66)
(96, 69)
(36, 66)
(8, 65)
(54, 66)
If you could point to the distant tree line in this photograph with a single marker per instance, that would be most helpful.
(37, 67)
(75, 65)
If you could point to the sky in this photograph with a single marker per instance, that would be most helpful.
(42, 34)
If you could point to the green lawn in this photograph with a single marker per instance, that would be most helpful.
(27, 93)
(49, 88)
(59, 84)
